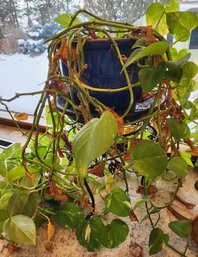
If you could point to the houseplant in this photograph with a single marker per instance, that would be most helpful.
(54, 176)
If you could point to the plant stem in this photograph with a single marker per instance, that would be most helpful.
(91, 196)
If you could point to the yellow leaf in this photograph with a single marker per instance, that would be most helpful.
(87, 233)
(21, 116)
(50, 230)
(110, 183)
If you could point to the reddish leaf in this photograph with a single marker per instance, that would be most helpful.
(133, 216)
(49, 246)
(62, 53)
(149, 35)
(135, 250)
(12, 248)
(173, 150)
(158, 59)
(194, 149)
(21, 116)
(85, 203)
(66, 141)
(28, 173)
(98, 170)
(60, 152)
(119, 120)
(55, 86)
(151, 190)
(128, 155)
(92, 34)
(56, 192)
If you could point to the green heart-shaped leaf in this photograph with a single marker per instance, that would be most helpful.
(65, 20)
(20, 229)
(150, 77)
(93, 140)
(155, 15)
(70, 216)
(150, 159)
(178, 165)
(118, 203)
(23, 202)
(152, 49)
(92, 234)
(172, 6)
(178, 128)
(157, 241)
(116, 233)
(180, 24)
(182, 228)
(3, 169)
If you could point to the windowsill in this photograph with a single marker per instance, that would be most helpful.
(6, 120)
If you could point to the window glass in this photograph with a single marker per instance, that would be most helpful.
(194, 39)
(25, 24)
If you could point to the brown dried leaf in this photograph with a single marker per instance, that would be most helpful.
(154, 124)
(133, 216)
(132, 128)
(57, 86)
(173, 150)
(53, 106)
(158, 59)
(135, 250)
(73, 54)
(49, 246)
(66, 141)
(146, 96)
(140, 190)
(194, 149)
(61, 196)
(56, 192)
(92, 34)
(63, 52)
(119, 120)
(149, 35)
(12, 248)
(21, 116)
(28, 173)
(128, 155)
(85, 203)
(60, 152)
(165, 133)
(98, 170)
(152, 190)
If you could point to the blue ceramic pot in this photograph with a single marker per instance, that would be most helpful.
(104, 71)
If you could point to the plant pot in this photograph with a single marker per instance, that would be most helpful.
(104, 71)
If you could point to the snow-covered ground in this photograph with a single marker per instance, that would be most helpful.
(22, 73)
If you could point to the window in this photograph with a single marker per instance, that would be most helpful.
(194, 39)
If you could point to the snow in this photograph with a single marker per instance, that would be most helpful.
(22, 73)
